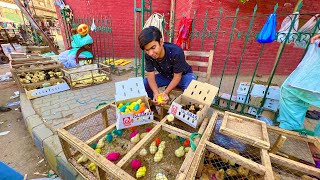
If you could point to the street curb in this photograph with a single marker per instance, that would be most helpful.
(46, 141)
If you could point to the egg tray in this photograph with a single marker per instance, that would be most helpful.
(73, 74)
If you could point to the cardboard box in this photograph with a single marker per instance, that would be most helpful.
(224, 98)
(129, 91)
(44, 91)
(199, 93)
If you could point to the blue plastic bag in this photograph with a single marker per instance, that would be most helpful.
(268, 32)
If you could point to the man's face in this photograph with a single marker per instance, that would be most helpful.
(154, 49)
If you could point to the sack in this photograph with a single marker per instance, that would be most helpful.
(155, 20)
(268, 32)
(285, 26)
(304, 32)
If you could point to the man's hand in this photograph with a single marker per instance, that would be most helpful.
(155, 98)
(314, 38)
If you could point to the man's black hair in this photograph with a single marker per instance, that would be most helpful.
(149, 34)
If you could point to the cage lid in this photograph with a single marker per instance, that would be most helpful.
(133, 87)
(202, 92)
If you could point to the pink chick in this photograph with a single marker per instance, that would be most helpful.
(113, 156)
(135, 164)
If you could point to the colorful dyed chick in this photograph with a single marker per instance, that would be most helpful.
(141, 172)
(92, 167)
(158, 156)
(98, 150)
(135, 139)
(143, 152)
(118, 132)
(109, 137)
(82, 159)
(172, 136)
(100, 143)
(153, 148)
(161, 176)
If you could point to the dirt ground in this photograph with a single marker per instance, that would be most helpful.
(17, 147)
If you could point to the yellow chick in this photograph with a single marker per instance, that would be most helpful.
(142, 135)
(158, 156)
(162, 145)
(170, 117)
(143, 152)
(135, 139)
(100, 143)
(186, 149)
(161, 176)
(231, 172)
(172, 136)
(153, 148)
(179, 152)
(98, 150)
(92, 167)
(141, 172)
(243, 171)
(82, 159)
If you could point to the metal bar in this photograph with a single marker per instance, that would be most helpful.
(229, 44)
(280, 51)
(135, 38)
(253, 75)
(111, 31)
(217, 30)
(104, 38)
(192, 29)
(242, 53)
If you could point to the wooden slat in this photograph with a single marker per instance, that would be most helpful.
(197, 53)
(101, 134)
(105, 118)
(278, 144)
(85, 117)
(195, 162)
(98, 159)
(197, 63)
(294, 165)
(209, 69)
(247, 163)
(292, 134)
(65, 148)
(265, 160)
(174, 130)
(154, 131)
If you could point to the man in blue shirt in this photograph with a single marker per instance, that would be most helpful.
(168, 59)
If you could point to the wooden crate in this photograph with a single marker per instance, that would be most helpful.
(246, 129)
(87, 75)
(212, 155)
(172, 166)
(290, 154)
(36, 90)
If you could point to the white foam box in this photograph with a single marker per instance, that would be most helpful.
(252, 111)
(255, 101)
(271, 104)
(243, 88)
(259, 90)
(196, 93)
(129, 91)
(224, 98)
(35, 93)
(242, 97)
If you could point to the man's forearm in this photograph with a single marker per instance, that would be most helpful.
(153, 85)
(175, 81)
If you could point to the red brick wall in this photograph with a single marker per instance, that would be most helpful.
(290, 57)
(123, 29)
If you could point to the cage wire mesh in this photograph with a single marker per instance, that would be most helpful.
(223, 168)
(285, 173)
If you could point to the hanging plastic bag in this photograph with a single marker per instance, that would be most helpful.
(93, 26)
(304, 32)
(155, 20)
(268, 32)
(285, 27)
(300, 89)
(185, 28)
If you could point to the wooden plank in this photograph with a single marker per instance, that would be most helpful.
(65, 147)
(265, 135)
(278, 144)
(239, 117)
(247, 163)
(317, 143)
(198, 63)
(174, 130)
(265, 160)
(294, 165)
(197, 53)
(85, 117)
(195, 162)
(101, 174)
(96, 158)
(101, 134)
(203, 125)
(209, 69)
(105, 118)
(154, 131)
(292, 134)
